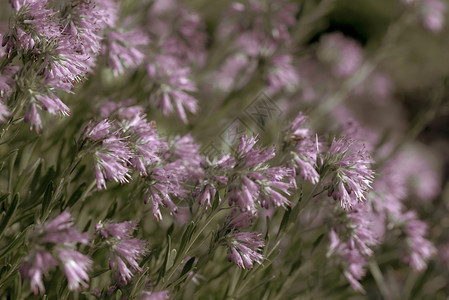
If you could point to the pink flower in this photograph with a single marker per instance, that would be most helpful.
(52, 245)
(176, 86)
(352, 177)
(343, 54)
(76, 266)
(36, 265)
(243, 248)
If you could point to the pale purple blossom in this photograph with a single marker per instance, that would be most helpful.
(235, 72)
(343, 54)
(433, 14)
(4, 112)
(161, 295)
(143, 139)
(117, 230)
(37, 24)
(282, 73)
(61, 230)
(420, 248)
(244, 248)
(76, 266)
(32, 116)
(165, 183)
(88, 20)
(257, 183)
(353, 241)
(129, 251)
(352, 177)
(304, 149)
(125, 249)
(111, 153)
(35, 266)
(53, 244)
(174, 86)
(180, 33)
(353, 260)
(53, 105)
(124, 49)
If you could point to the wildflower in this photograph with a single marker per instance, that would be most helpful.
(129, 250)
(36, 265)
(175, 86)
(65, 63)
(420, 249)
(243, 220)
(53, 245)
(53, 105)
(256, 181)
(37, 24)
(282, 74)
(76, 266)
(87, 21)
(433, 12)
(123, 49)
(161, 295)
(117, 230)
(343, 54)
(243, 248)
(165, 183)
(183, 32)
(304, 149)
(32, 116)
(61, 231)
(353, 260)
(351, 177)
(126, 250)
(235, 72)
(352, 240)
(4, 112)
(111, 155)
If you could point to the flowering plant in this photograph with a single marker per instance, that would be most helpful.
(162, 149)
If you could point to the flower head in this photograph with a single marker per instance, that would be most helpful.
(343, 54)
(420, 249)
(349, 165)
(174, 93)
(125, 249)
(254, 181)
(76, 266)
(304, 147)
(244, 248)
(53, 245)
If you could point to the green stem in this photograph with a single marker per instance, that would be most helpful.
(181, 256)
(378, 277)
(299, 207)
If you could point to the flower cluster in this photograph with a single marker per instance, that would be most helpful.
(261, 43)
(53, 245)
(304, 148)
(343, 54)
(352, 240)
(253, 181)
(244, 248)
(349, 167)
(124, 248)
(57, 49)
